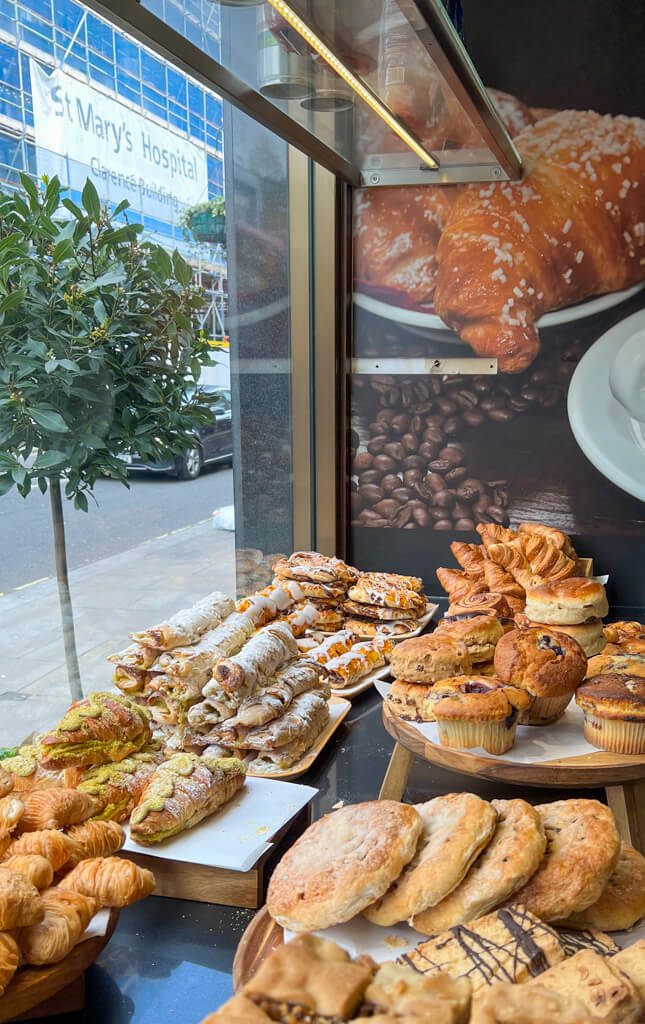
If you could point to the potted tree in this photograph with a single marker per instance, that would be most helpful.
(100, 354)
(207, 221)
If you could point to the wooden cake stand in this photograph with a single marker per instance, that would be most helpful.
(55, 988)
(622, 776)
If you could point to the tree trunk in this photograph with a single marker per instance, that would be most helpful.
(64, 596)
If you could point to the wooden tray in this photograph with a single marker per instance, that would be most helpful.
(305, 763)
(34, 985)
(260, 938)
(599, 769)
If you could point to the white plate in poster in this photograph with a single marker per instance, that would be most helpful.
(422, 622)
(600, 425)
(240, 833)
(364, 683)
(556, 317)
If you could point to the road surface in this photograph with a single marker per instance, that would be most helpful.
(154, 505)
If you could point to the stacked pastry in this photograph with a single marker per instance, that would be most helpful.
(574, 606)
(386, 603)
(324, 582)
(506, 564)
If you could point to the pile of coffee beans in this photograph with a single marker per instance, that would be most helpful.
(411, 467)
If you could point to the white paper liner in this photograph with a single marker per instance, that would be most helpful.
(239, 834)
(533, 743)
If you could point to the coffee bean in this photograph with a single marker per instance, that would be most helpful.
(400, 424)
(505, 389)
(494, 402)
(443, 524)
(387, 508)
(481, 505)
(407, 396)
(402, 495)
(453, 476)
(435, 482)
(384, 463)
(377, 445)
(454, 454)
(433, 435)
(422, 391)
(497, 514)
(434, 421)
(470, 489)
(420, 516)
(356, 505)
(461, 510)
(501, 415)
(410, 526)
(402, 517)
(518, 404)
(414, 462)
(410, 442)
(451, 426)
(473, 417)
(437, 513)
(369, 516)
(549, 397)
(571, 354)
(464, 524)
(416, 503)
(440, 465)
(447, 406)
(443, 499)
(395, 450)
(481, 385)
(416, 424)
(529, 393)
(428, 450)
(465, 398)
(370, 494)
(411, 476)
(363, 461)
(435, 385)
(385, 415)
(379, 429)
(422, 491)
(370, 476)
(540, 377)
(390, 482)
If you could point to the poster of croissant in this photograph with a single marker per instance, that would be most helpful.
(542, 282)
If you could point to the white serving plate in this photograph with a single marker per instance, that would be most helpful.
(432, 322)
(422, 623)
(600, 425)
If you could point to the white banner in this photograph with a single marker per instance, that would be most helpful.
(82, 133)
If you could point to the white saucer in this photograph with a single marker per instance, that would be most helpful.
(434, 323)
(600, 425)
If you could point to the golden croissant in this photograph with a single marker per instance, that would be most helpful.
(95, 839)
(63, 923)
(11, 811)
(491, 533)
(36, 868)
(55, 846)
(6, 782)
(9, 960)
(114, 882)
(458, 584)
(20, 902)
(85, 906)
(545, 559)
(55, 808)
(470, 557)
(508, 556)
(501, 582)
(559, 539)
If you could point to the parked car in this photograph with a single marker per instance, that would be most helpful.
(212, 443)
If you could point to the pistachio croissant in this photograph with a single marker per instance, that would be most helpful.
(112, 881)
(26, 771)
(102, 728)
(55, 808)
(55, 846)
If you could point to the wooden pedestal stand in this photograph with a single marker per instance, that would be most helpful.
(620, 775)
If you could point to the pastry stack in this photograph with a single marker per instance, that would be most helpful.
(574, 606)
(381, 602)
(347, 659)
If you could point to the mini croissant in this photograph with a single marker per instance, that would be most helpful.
(63, 923)
(20, 902)
(459, 584)
(501, 582)
(114, 882)
(9, 960)
(55, 846)
(11, 811)
(491, 533)
(85, 906)
(36, 868)
(95, 839)
(556, 537)
(6, 782)
(55, 808)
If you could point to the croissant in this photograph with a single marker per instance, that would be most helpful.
(36, 868)
(63, 923)
(547, 560)
(55, 808)
(55, 846)
(570, 229)
(528, 579)
(6, 782)
(95, 839)
(470, 557)
(104, 727)
(9, 960)
(11, 811)
(112, 881)
(5, 840)
(26, 771)
(501, 582)
(491, 533)
(559, 539)
(459, 584)
(85, 906)
(20, 902)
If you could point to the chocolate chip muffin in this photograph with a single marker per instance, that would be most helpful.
(614, 707)
(548, 664)
(477, 711)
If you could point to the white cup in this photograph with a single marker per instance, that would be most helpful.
(627, 376)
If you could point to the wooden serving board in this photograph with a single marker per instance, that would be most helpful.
(342, 706)
(260, 938)
(32, 986)
(599, 769)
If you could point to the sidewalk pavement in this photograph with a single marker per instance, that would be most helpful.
(111, 598)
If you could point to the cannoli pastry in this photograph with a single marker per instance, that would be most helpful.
(187, 625)
(310, 565)
(33, 866)
(26, 771)
(259, 658)
(393, 580)
(333, 646)
(289, 726)
(367, 592)
(217, 706)
(95, 839)
(373, 611)
(55, 808)
(104, 727)
(9, 960)
(20, 903)
(119, 786)
(183, 791)
(135, 656)
(223, 641)
(279, 758)
(112, 881)
(266, 604)
(272, 700)
(347, 669)
(131, 680)
(51, 844)
(64, 921)
(366, 628)
(11, 811)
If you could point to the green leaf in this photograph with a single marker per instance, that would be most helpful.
(48, 419)
(183, 271)
(12, 300)
(64, 250)
(49, 459)
(30, 189)
(80, 501)
(6, 483)
(91, 201)
(115, 275)
(19, 474)
(73, 208)
(123, 205)
(51, 365)
(42, 484)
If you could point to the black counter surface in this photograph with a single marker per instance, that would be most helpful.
(170, 961)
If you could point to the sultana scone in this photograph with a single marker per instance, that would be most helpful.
(480, 634)
(113, 881)
(410, 701)
(426, 659)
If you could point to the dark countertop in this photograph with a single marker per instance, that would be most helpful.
(171, 960)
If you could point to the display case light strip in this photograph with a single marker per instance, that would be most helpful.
(354, 83)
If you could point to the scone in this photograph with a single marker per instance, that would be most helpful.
(566, 602)
(547, 664)
(508, 861)
(342, 863)
(632, 962)
(614, 709)
(456, 828)
(582, 850)
(410, 701)
(480, 635)
(503, 1003)
(608, 993)
(477, 711)
(622, 901)
(426, 659)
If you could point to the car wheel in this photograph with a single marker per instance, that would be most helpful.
(190, 464)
